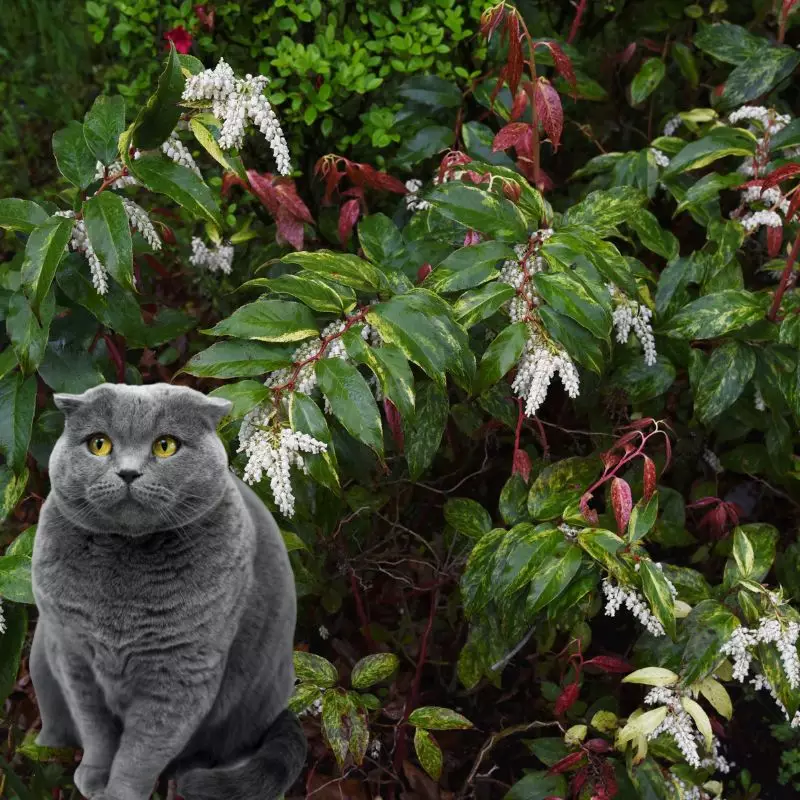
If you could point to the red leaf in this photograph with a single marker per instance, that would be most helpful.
(563, 64)
(167, 235)
(490, 19)
(513, 191)
(650, 477)
(289, 229)
(206, 16)
(793, 206)
(626, 55)
(394, 423)
(567, 698)
(781, 174)
(230, 179)
(589, 514)
(609, 664)
(774, 240)
(579, 781)
(566, 763)
(367, 175)
(423, 272)
(622, 503)
(787, 7)
(509, 135)
(598, 746)
(326, 167)
(545, 182)
(472, 238)
(522, 465)
(715, 521)
(348, 215)
(610, 459)
(515, 59)
(181, 38)
(519, 105)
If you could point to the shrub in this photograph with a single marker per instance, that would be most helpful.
(469, 527)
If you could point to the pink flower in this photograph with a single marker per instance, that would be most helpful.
(181, 38)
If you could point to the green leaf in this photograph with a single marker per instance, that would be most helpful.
(553, 578)
(513, 505)
(763, 539)
(389, 365)
(43, 253)
(656, 590)
(268, 321)
(426, 142)
(560, 485)
(707, 188)
(436, 718)
(718, 143)
(44, 755)
(380, 239)
(210, 144)
(23, 544)
(643, 517)
(373, 669)
(315, 669)
(421, 324)
(467, 516)
(701, 720)
(303, 696)
(501, 355)
(476, 305)
(27, 333)
(647, 79)
(17, 406)
(431, 91)
(351, 401)
(21, 215)
(568, 294)
(787, 137)
(686, 63)
(159, 174)
(642, 382)
(158, 118)
(583, 347)
(758, 75)
(706, 629)
(718, 696)
(429, 753)
(334, 707)
(68, 370)
(603, 546)
(15, 579)
(315, 292)
(468, 267)
(424, 432)
(723, 379)
(343, 268)
(538, 786)
(743, 552)
(110, 235)
(480, 211)
(75, 160)
(359, 730)
(716, 314)
(11, 651)
(103, 125)
(239, 359)
(245, 396)
(305, 416)
(652, 235)
(603, 210)
(729, 43)
(652, 676)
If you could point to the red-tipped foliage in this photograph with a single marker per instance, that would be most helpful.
(567, 698)
(622, 503)
(549, 111)
(348, 214)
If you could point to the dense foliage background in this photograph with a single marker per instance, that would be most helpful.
(510, 585)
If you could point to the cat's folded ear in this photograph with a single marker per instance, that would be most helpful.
(216, 407)
(67, 403)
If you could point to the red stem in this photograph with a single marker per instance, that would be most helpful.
(116, 357)
(543, 439)
(576, 23)
(784, 284)
(413, 698)
(360, 610)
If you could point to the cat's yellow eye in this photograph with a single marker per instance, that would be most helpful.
(165, 446)
(99, 444)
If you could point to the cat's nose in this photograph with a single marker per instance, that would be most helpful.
(129, 475)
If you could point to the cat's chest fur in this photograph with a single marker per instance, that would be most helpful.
(132, 603)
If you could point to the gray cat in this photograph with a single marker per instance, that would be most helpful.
(166, 605)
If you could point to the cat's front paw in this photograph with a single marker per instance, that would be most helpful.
(91, 781)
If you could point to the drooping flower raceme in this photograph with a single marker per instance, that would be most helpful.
(176, 150)
(413, 201)
(235, 101)
(770, 630)
(2, 618)
(217, 260)
(140, 221)
(630, 315)
(79, 242)
(677, 724)
(273, 452)
(634, 602)
(660, 157)
(115, 168)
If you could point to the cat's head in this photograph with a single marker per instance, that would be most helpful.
(138, 459)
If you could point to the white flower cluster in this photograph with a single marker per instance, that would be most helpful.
(630, 315)
(274, 452)
(672, 125)
(536, 369)
(758, 401)
(234, 101)
(761, 682)
(517, 272)
(413, 202)
(660, 157)
(677, 724)
(375, 748)
(176, 150)
(139, 221)
(769, 121)
(770, 631)
(113, 169)
(315, 709)
(755, 219)
(81, 244)
(634, 602)
(712, 459)
(217, 260)
(324, 633)
(2, 618)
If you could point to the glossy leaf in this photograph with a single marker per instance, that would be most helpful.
(424, 432)
(313, 290)
(343, 268)
(21, 215)
(560, 485)
(75, 160)
(436, 718)
(728, 371)
(313, 668)
(716, 314)
(718, 143)
(553, 578)
(239, 359)
(110, 235)
(647, 79)
(268, 321)
(476, 305)
(102, 126)
(43, 253)
(373, 669)
(656, 590)
(17, 405)
(501, 355)
(569, 295)
(245, 396)
(429, 753)
(306, 416)
(467, 516)
(157, 119)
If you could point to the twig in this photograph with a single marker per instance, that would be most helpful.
(784, 284)
(576, 23)
(543, 439)
(506, 658)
